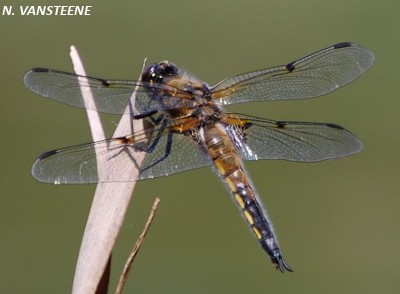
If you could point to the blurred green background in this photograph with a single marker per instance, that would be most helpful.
(338, 221)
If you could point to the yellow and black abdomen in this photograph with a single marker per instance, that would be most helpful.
(230, 169)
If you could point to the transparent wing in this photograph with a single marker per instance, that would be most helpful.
(166, 153)
(312, 76)
(293, 141)
(110, 96)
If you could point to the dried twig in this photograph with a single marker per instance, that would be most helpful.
(108, 208)
(135, 250)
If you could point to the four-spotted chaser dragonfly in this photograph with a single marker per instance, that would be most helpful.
(189, 128)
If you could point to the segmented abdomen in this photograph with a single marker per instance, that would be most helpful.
(230, 169)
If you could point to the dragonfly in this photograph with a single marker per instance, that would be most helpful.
(188, 126)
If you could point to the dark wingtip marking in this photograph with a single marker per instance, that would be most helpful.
(334, 126)
(39, 69)
(46, 155)
(290, 66)
(342, 45)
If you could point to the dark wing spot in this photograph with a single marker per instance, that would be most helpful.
(105, 83)
(290, 66)
(247, 125)
(46, 155)
(334, 126)
(125, 140)
(38, 69)
(281, 124)
(342, 45)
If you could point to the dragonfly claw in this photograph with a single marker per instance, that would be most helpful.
(280, 264)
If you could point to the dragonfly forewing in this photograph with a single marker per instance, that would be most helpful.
(110, 96)
(312, 76)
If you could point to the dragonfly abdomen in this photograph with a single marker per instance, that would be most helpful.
(230, 169)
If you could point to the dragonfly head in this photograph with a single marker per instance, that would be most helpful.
(155, 73)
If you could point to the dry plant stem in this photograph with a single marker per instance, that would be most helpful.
(102, 287)
(135, 250)
(108, 208)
